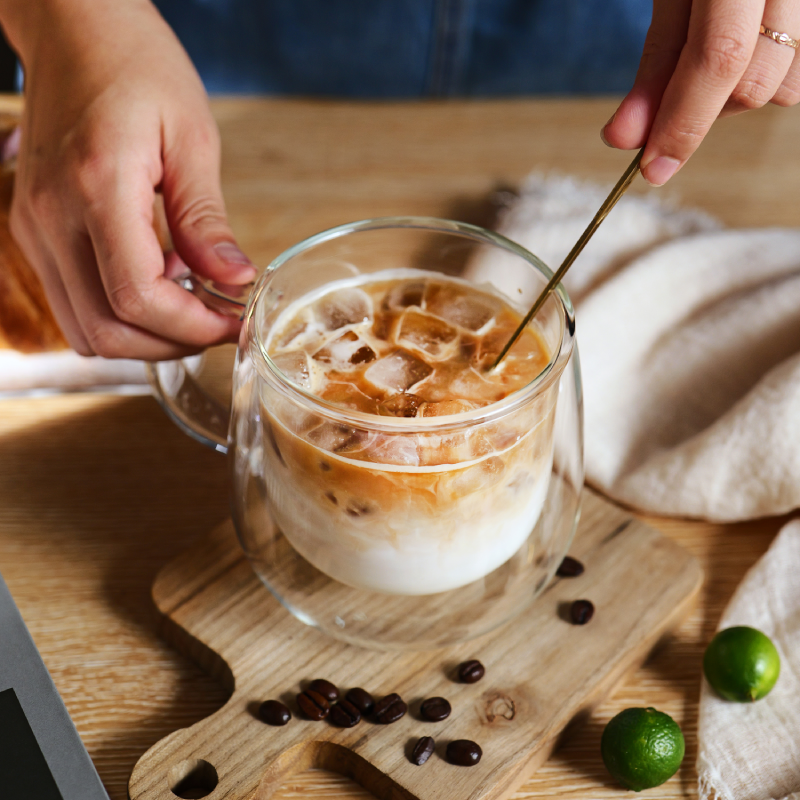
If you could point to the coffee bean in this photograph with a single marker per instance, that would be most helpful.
(569, 568)
(470, 671)
(345, 715)
(313, 705)
(325, 688)
(274, 712)
(361, 699)
(389, 709)
(422, 751)
(435, 709)
(581, 611)
(463, 753)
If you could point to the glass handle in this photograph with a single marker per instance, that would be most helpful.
(188, 403)
(223, 298)
(198, 411)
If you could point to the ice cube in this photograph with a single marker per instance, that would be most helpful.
(344, 307)
(397, 372)
(470, 310)
(450, 448)
(401, 449)
(403, 295)
(302, 330)
(345, 352)
(400, 405)
(479, 477)
(295, 366)
(491, 344)
(446, 408)
(337, 438)
(427, 334)
(296, 329)
(384, 325)
(470, 385)
(523, 362)
(348, 395)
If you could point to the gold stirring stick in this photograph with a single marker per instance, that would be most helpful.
(622, 184)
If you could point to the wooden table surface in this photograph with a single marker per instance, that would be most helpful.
(98, 492)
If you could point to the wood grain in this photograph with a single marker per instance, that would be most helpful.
(542, 672)
(98, 493)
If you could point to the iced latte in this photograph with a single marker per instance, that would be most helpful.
(450, 481)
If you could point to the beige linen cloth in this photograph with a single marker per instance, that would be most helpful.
(689, 338)
(751, 751)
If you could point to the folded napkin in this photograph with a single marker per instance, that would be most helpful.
(32, 374)
(751, 751)
(689, 338)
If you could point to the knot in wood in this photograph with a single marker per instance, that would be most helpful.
(499, 705)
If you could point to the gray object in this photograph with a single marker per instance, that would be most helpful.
(41, 754)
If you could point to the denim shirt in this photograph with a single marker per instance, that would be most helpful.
(412, 48)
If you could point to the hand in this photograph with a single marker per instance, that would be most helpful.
(703, 59)
(114, 111)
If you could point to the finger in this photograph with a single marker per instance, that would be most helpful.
(631, 123)
(132, 269)
(788, 93)
(195, 208)
(720, 43)
(769, 65)
(174, 266)
(10, 146)
(107, 335)
(44, 265)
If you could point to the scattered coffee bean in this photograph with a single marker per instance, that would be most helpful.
(470, 671)
(569, 568)
(463, 753)
(361, 699)
(274, 712)
(325, 688)
(581, 611)
(422, 751)
(435, 709)
(313, 705)
(389, 709)
(345, 715)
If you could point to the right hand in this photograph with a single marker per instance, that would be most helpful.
(703, 59)
(114, 112)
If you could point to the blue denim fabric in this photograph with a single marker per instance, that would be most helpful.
(412, 48)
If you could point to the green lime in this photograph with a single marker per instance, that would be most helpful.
(741, 664)
(642, 748)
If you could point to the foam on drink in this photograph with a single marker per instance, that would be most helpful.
(413, 512)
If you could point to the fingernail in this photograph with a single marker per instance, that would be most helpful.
(658, 171)
(10, 148)
(603, 130)
(231, 254)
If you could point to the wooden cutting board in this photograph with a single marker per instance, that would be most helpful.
(542, 673)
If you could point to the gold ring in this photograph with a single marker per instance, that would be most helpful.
(780, 38)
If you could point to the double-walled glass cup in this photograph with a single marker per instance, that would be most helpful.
(404, 532)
